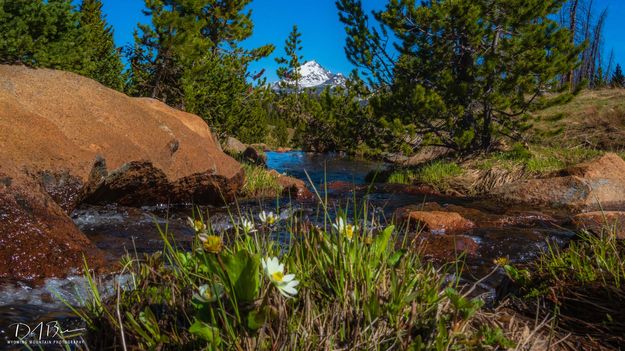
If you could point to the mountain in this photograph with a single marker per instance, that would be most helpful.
(315, 77)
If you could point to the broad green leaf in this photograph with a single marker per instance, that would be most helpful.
(206, 332)
(396, 258)
(257, 318)
(243, 271)
(380, 244)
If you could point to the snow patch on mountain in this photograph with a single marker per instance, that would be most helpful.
(314, 76)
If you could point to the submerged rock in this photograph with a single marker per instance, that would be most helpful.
(447, 248)
(599, 183)
(602, 222)
(433, 221)
(66, 139)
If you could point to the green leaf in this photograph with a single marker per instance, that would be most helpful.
(257, 318)
(206, 332)
(243, 272)
(380, 244)
(395, 258)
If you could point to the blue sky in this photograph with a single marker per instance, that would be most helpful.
(323, 36)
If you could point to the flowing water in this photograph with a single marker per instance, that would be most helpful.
(342, 180)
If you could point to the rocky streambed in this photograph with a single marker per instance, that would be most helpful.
(481, 229)
(88, 174)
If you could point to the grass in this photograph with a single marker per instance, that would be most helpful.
(482, 173)
(537, 160)
(437, 174)
(593, 119)
(584, 284)
(259, 182)
(590, 259)
(361, 286)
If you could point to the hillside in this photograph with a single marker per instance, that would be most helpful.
(593, 119)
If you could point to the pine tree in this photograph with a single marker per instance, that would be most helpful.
(190, 57)
(467, 70)
(155, 68)
(618, 79)
(41, 34)
(289, 68)
(290, 104)
(103, 58)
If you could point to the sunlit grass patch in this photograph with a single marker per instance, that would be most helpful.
(437, 174)
(536, 159)
(403, 176)
(259, 182)
(588, 260)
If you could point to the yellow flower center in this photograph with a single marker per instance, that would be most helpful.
(198, 225)
(501, 261)
(213, 244)
(349, 232)
(277, 276)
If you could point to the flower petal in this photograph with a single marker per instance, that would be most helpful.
(289, 290)
(293, 283)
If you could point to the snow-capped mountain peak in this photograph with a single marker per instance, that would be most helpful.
(313, 75)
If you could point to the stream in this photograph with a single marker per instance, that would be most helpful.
(119, 230)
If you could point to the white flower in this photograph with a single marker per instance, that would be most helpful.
(268, 218)
(209, 293)
(345, 229)
(274, 270)
(197, 225)
(247, 225)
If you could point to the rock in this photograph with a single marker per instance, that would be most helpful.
(296, 188)
(66, 140)
(416, 189)
(433, 221)
(284, 149)
(424, 155)
(599, 222)
(37, 238)
(216, 138)
(427, 154)
(511, 217)
(592, 185)
(255, 156)
(233, 146)
(447, 248)
(344, 187)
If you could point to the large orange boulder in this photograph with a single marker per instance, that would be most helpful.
(66, 139)
(599, 183)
